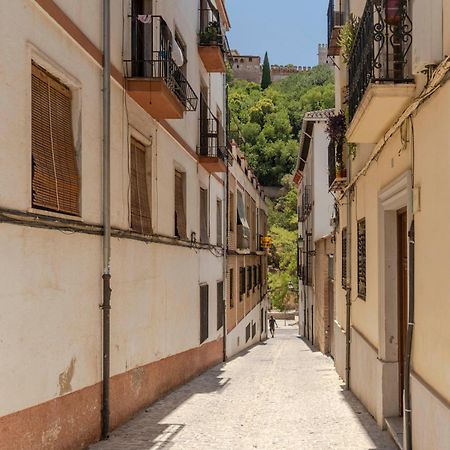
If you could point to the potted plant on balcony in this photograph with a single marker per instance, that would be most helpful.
(211, 34)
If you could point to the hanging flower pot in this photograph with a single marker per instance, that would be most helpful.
(393, 10)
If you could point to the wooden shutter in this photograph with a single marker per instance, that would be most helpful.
(362, 259)
(180, 212)
(231, 288)
(140, 200)
(203, 215)
(55, 178)
(204, 312)
(219, 224)
(220, 305)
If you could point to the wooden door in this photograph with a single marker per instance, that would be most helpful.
(402, 297)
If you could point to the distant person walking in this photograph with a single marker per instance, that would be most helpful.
(272, 323)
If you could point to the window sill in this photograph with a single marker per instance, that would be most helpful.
(54, 215)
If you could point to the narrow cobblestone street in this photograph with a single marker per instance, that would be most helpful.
(278, 395)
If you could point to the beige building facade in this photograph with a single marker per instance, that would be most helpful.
(391, 333)
(247, 300)
(168, 211)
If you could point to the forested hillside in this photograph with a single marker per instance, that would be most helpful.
(269, 120)
(267, 124)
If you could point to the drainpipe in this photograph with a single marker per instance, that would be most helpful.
(106, 305)
(225, 262)
(409, 338)
(348, 293)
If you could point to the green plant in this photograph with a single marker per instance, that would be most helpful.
(347, 37)
(210, 34)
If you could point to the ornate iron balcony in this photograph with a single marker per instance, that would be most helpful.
(152, 53)
(381, 48)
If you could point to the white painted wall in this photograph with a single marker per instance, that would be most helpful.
(52, 280)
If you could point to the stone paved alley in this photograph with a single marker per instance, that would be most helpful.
(278, 395)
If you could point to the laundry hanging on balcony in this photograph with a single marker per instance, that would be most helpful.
(177, 54)
(144, 18)
(242, 219)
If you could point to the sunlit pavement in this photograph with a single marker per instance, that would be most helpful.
(278, 395)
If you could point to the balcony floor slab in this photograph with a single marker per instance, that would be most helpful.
(381, 105)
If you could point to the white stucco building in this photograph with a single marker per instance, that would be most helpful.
(168, 211)
(315, 208)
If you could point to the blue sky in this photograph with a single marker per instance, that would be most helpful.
(289, 30)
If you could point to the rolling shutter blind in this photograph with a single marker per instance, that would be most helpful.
(180, 213)
(55, 178)
(204, 312)
(203, 215)
(140, 203)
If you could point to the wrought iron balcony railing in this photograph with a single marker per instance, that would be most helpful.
(210, 26)
(152, 50)
(306, 205)
(381, 48)
(337, 175)
(212, 134)
(336, 19)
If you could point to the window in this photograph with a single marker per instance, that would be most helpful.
(220, 305)
(241, 282)
(231, 212)
(242, 217)
(247, 333)
(219, 223)
(180, 208)
(362, 259)
(250, 59)
(204, 312)
(344, 258)
(253, 329)
(249, 279)
(231, 288)
(260, 275)
(255, 278)
(204, 219)
(55, 178)
(181, 50)
(139, 203)
(309, 257)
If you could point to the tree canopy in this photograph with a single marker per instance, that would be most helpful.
(266, 79)
(269, 120)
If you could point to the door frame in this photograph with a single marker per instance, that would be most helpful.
(396, 196)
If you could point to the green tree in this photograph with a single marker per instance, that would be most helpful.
(266, 79)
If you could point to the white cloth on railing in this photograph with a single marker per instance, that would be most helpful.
(177, 54)
(144, 18)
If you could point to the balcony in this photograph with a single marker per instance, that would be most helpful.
(380, 80)
(337, 174)
(211, 41)
(152, 78)
(212, 150)
(306, 206)
(336, 20)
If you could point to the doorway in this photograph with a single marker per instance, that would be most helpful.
(402, 302)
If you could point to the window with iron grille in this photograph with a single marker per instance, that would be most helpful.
(231, 288)
(249, 279)
(219, 223)
(255, 277)
(204, 312)
(220, 305)
(362, 259)
(260, 275)
(309, 260)
(241, 282)
(55, 177)
(140, 199)
(344, 258)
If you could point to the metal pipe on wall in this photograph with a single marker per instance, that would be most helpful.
(348, 293)
(106, 305)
